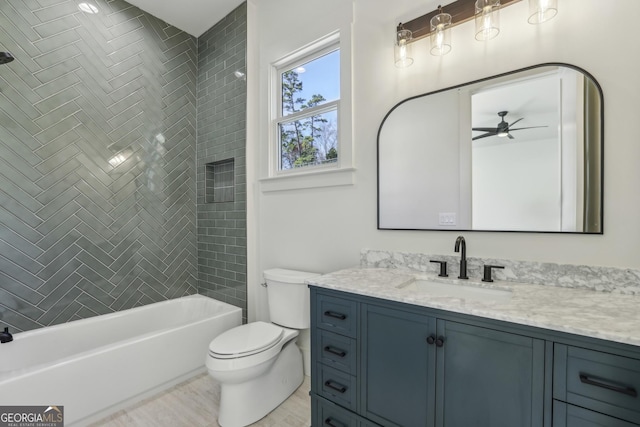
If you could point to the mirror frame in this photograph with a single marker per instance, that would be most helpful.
(532, 67)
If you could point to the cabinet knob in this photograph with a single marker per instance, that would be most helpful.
(440, 342)
(431, 339)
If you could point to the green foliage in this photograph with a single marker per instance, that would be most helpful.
(299, 138)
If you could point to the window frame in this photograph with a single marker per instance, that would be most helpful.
(309, 53)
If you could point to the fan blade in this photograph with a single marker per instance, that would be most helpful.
(510, 136)
(494, 130)
(484, 135)
(530, 127)
(513, 123)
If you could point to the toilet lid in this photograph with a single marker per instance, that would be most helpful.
(250, 338)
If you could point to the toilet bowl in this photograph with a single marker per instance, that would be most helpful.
(259, 365)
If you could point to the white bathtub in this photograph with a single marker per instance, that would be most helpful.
(98, 365)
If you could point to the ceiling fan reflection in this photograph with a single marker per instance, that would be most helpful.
(503, 129)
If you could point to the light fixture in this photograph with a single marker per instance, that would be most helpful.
(240, 75)
(542, 10)
(487, 19)
(440, 33)
(402, 50)
(437, 24)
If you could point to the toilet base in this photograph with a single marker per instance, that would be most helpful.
(245, 403)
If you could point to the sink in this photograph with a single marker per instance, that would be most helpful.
(454, 290)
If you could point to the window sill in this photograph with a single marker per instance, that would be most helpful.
(314, 179)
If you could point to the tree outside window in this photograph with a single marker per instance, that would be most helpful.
(308, 126)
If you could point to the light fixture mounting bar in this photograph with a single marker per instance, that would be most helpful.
(460, 11)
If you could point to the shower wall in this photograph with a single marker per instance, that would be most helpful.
(97, 161)
(221, 170)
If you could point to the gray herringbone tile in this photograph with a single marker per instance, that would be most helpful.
(96, 214)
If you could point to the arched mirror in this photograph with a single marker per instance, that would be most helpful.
(522, 151)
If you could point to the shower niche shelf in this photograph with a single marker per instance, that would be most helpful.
(219, 181)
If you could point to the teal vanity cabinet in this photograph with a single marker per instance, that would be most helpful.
(384, 363)
(594, 388)
(413, 368)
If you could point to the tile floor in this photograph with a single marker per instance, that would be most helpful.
(194, 403)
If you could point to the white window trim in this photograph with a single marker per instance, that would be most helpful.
(338, 173)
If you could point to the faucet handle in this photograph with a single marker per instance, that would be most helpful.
(443, 267)
(487, 272)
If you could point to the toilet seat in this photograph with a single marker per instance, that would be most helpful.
(248, 359)
(245, 340)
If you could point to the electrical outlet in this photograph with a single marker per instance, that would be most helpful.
(447, 218)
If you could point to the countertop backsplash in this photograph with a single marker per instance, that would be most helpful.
(603, 279)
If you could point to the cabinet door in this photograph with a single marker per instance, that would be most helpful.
(488, 378)
(397, 371)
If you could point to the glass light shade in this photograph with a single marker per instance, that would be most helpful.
(402, 50)
(487, 19)
(542, 10)
(441, 34)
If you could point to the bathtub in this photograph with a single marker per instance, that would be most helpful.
(96, 366)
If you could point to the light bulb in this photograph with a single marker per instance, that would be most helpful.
(441, 34)
(402, 50)
(542, 10)
(487, 19)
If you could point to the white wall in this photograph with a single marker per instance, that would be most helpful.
(324, 229)
(414, 151)
(511, 193)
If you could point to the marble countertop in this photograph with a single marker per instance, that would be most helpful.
(609, 316)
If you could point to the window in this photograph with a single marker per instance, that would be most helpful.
(306, 120)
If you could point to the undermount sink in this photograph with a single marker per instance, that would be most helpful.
(455, 290)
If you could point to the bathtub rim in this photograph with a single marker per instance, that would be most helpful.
(6, 377)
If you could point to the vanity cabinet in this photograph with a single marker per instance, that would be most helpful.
(607, 384)
(418, 370)
(383, 363)
(400, 367)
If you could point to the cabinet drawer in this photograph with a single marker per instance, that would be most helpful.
(336, 386)
(336, 351)
(565, 415)
(603, 382)
(337, 315)
(328, 414)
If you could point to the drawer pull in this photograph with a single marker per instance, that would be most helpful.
(600, 383)
(333, 423)
(335, 386)
(336, 351)
(335, 315)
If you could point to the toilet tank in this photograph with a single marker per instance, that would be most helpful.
(288, 297)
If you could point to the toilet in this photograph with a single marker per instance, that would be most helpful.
(259, 365)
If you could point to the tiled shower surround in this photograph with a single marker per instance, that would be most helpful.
(97, 161)
(222, 242)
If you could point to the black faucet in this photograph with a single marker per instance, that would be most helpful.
(463, 256)
(5, 336)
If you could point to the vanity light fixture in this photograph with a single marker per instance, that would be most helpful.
(542, 10)
(435, 24)
(487, 19)
(402, 49)
(441, 33)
